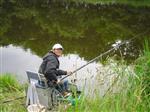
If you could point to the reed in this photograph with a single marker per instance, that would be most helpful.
(134, 95)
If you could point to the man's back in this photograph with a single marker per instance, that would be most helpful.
(50, 67)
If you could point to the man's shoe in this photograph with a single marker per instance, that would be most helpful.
(66, 94)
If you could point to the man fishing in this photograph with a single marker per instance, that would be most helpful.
(50, 68)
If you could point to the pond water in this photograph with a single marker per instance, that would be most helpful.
(29, 29)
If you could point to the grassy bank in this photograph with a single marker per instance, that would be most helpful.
(10, 89)
(125, 2)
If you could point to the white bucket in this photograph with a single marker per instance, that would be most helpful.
(36, 108)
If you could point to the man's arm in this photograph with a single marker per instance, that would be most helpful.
(51, 67)
(61, 72)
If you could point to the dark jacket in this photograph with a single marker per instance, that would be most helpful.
(50, 67)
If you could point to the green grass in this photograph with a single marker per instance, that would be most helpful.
(10, 89)
(142, 69)
(9, 83)
(134, 96)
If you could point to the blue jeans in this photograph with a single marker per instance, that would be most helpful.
(65, 85)
(62, 87)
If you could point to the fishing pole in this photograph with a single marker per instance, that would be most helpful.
(11, 100)
(101, 55)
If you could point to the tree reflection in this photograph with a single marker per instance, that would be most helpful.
(87, 31)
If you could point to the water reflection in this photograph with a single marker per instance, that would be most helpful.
(83, 29)
(16, 60)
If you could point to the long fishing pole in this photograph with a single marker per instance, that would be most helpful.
(101, 55)
(11, 100)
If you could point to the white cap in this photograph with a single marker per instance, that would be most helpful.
(57, 46)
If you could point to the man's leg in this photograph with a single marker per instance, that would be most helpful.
(60, 88)
(65, 84)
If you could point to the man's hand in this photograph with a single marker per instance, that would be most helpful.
(59, 81)
(69, 72)
(53, 81)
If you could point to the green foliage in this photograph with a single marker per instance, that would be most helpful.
(13, 107)
(143, 71)
(134, 97)
(8, 83)
(9, 90)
